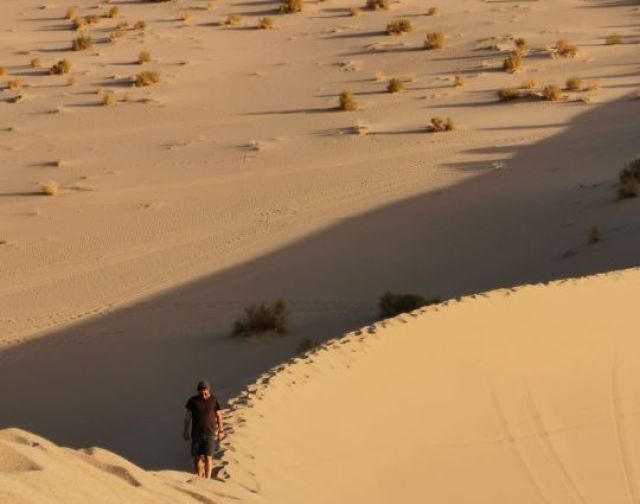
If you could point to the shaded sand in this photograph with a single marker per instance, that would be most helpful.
(517, 395)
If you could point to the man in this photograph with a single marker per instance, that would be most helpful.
(204, 415)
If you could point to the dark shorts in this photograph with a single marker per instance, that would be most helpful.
(203, 445)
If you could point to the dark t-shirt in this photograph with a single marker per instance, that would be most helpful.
(203, 416)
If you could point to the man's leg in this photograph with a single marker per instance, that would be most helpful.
(199, 466)
(208, 466)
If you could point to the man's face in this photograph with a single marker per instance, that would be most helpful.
(205, 393)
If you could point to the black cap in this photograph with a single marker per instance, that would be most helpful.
(202, 385)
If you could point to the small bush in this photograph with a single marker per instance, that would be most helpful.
(432, 11)
(399, 26)
(144, 79)
(144, 57)
(438, 124)
(458, 81)
(613, 39)
(187, 16)
(232, 20)
(395, 86)
(592, 86)
(530, 84)
(565, 49)
(61, 67)
(305, 345)
(266, 23)
(522, 47)
(114, 36)
(509, 94)
(347, 101)
(262, 318)
(36, 63)
(81, 43)
(574, 83)
(50, 188)
(70, 13)
(377, 4)
(112, 12)
(91, 20)
(109, 99)
(78, 23)
(123, 25)
(629, 179)
(434, 40)
(291, 6)
(595, 235)
(553, 93)
(140, 25)
(14, 84)
(394, 304)
(512, 63)
(355, 11)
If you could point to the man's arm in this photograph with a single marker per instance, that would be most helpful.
(219, 419)
(187, 425)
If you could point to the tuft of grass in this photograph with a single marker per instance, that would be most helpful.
(291, 6)
(61, 67)
(553, 93)
(458, 81)
(81, 43)
(355, 11)
(391, 304)
(50, 188)
(140, 25)
(112, 12)
(530, 84)
(377, 4)
(266, 23)
(595, 235)
(399, 26)
(434, 40)
(144, 57)
(109, 99)
(433, 11)
(613, 39)
(522, 47)
(147, 78)
(574, 83)
(305, 345)
(565, 49)
(232, 20)
(36, 63)
(262, 318)
(347, 101)
(513, 63)
(395, 85)
(439, 125)
(629, 179)
(509, 94)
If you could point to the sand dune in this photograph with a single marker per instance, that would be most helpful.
(516, 395)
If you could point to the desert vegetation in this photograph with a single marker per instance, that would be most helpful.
(432, 11)
(61, 67)
(305, 345)
(391, 304)
(144, 79)
(143, 57)
(522, 47)
(458, 81)
(565, 49)
(434, 40)
(439, 125)
(377, 4)
(399, 26)
(629, 179)
(613, 39)
(266, 23)
(262, 318)
(291, 6)
(552, 92)
(574, 83)
(81, 43)
(395, 85)
(513, 63)
(35, 63)
(355, 11)
(49, 188)
(347, 101)
(232, 20)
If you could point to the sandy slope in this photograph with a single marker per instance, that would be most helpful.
(518, 395)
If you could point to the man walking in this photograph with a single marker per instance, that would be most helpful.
(204, 416)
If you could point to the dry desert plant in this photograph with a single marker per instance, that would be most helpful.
(70, 13)
(458, 81)
(434, 40)
(144, 57)
(266, 23)
(91, 20)
(14, 84)
(112, 12)
(147, 78)
(395, 85)
(232, 20)
(186, 16)
(140, 25)
(399, 26)
(122, 25)
(36, 63)
(512, 63)
(50, 188)
(613, 39)
(522, 46)
(355, 11)
(565, 49)
(61, 67)
(306, 345)
(291, 6)
(347, 101)
(509, 94)
(432, 11)
(81, 43)
(262, 318)
(574, 83)
(530, 84)
(629, 179)
(391, 304)
(552, 92)
(78, 23)
(377, 4)
(109, 99)
(438, 124)
(114, 36)
(592, 86)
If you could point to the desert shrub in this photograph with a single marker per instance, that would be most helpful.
(266, 23)
(565, 49)
(112, 12)
(70, 13)
(458, 81)
(355, 11)
(595, 235)
(81, 43)
(347, 101)
(395, 86)
(50, 188)
(140, 25)
(305, 345)
(552, 92)
(291, 6)
(377, 4)
(522, 46)
(36, 63)
(391, 304)
(144, 79)
(78, 23)
(508, 94)
(122, 25)
(629, 179)
(530, 84)
(109, 99)
(512, 63)
(592, 86)
(262, 318)
(574, 83)
(14, 84)
(399, 26)
(144, 57)
(90, 20)
(61, 67)
(114, 36)
(434, 40)
(438, 125)
(432, 11)
(187, 16)
(613, 39)
(232, 20)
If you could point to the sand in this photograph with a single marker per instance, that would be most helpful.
(516, 395)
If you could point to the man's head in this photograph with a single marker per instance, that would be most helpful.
(204, 389)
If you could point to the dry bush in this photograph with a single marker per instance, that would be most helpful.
(14, 84)
(123, 25)
(91, 20)
(109, 99)
(613, 39)
(147, 78)
(78, 23)
(521, 46)
(395, 85)
(574, 83)
(140, 25)
(432, 11)
(36, 63)
(513, 63)
(530, 84)
(114, 36)
(347, 101)
(565, 49)
(552, 92)
(399, 26)
(377, 4)
(434, 40)
(70, 13)
(61, 67)
(509, 94)
(144, 57)
(391, 305)
(262, 318)
(458, 81)
(438, 124)
(592, 86)
(232, 20)
(81, 43)
(595, 235)
(187, 16)
(306, 345)
(50, 188)
(291, 6)
(355, 11)
(629, 179)
(112, 12)
(266, 23)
